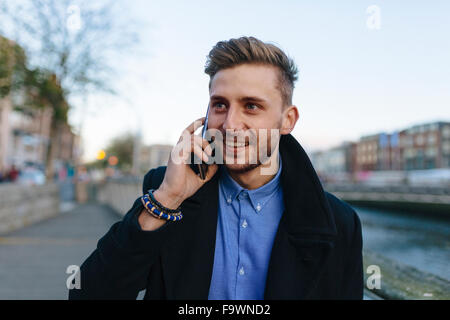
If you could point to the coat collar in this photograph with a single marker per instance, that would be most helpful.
(307, 210)
(305, 234)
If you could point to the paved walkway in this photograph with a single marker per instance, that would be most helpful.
(33, 260)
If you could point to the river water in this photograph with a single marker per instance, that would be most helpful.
(418, 241)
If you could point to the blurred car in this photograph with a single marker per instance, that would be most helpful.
(31, 176)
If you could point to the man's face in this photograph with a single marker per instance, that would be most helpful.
(243, 100)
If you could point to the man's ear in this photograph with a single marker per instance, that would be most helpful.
(290, 117)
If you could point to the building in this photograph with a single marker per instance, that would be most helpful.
(368, 151)
(335, 163)
(25, 136)
(426, 146)
(29, 136)
(396, 150)
(444, 145)
(66, 144)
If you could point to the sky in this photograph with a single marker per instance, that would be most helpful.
(358, 75)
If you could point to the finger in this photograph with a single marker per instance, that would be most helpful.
(208, 150)
(198, 151)
(195, 125)
(186, 142)
(203, 143)
(212, 169)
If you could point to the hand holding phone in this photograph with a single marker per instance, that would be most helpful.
(180, 182)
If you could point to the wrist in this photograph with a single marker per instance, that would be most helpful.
(167, 199)
(148, 222)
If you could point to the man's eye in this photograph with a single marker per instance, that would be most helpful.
(252, 106)
(219, 105)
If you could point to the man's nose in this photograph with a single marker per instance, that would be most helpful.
(233, 120)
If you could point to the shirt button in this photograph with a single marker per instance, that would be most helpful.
(241, 271)
(244, 224)
(229, 200)
(258, 207)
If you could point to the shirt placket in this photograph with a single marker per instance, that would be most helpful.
(242, 268)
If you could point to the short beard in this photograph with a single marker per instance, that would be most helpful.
(244, 168)
(248, 167)
(252, 166)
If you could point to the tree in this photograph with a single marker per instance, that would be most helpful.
(38, 89)
(71, 45)
(122, 148)
(75, 42)
(42, 89)
(12, 66)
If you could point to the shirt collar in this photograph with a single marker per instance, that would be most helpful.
(258, 197)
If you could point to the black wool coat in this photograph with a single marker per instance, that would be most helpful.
(317, 251)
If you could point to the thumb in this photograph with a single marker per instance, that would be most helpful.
(212, 169)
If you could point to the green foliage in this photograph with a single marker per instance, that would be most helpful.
(12, 67)
(122, 148)
(43, 90)
(39, 88)
(97, 164)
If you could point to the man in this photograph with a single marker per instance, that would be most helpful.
(259, 226)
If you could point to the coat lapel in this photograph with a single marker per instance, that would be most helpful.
(306, 232)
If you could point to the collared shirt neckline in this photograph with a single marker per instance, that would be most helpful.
(258, 197)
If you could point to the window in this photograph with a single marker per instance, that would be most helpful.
(446, 147)
(446, 131)
(431, 138)
(431, 152)
(420, 139)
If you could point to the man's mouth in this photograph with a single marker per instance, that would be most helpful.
(235, 148)
(236, 145)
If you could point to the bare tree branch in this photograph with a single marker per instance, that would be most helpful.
(80, 58)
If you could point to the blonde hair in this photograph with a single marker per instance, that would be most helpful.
(243, 50)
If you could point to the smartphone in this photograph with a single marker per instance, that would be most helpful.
(200, 168)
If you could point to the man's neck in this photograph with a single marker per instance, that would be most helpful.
(254, 179)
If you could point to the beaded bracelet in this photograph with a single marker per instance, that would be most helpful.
(159, 205)
(148, 200)
(159, 214)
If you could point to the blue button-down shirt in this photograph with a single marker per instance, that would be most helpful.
(246, 227)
